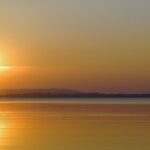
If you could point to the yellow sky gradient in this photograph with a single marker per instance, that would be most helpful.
(89, 45)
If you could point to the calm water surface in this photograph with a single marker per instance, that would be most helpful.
(75, 124)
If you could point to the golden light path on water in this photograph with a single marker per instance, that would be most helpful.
(66, 125)
(6, 126)
(9, 129)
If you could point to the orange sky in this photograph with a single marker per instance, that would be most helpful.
(88, 45)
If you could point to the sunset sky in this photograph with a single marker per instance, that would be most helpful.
(90, 45)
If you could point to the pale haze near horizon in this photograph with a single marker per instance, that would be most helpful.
(93, 45)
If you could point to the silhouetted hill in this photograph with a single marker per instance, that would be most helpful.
(27, 91)
(62, 93)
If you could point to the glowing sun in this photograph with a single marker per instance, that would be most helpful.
(5, 68)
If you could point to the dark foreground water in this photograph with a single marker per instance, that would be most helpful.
(75, 124)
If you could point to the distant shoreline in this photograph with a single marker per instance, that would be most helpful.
(87, 95)
(64, 93)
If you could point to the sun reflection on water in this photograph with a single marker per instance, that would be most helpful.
(7, 129)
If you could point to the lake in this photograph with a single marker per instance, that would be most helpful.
(75, 124)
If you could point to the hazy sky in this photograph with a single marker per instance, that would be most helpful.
(101, 45)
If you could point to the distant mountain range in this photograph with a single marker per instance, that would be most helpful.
(62, 93)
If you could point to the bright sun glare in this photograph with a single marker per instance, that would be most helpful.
(4, 68)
